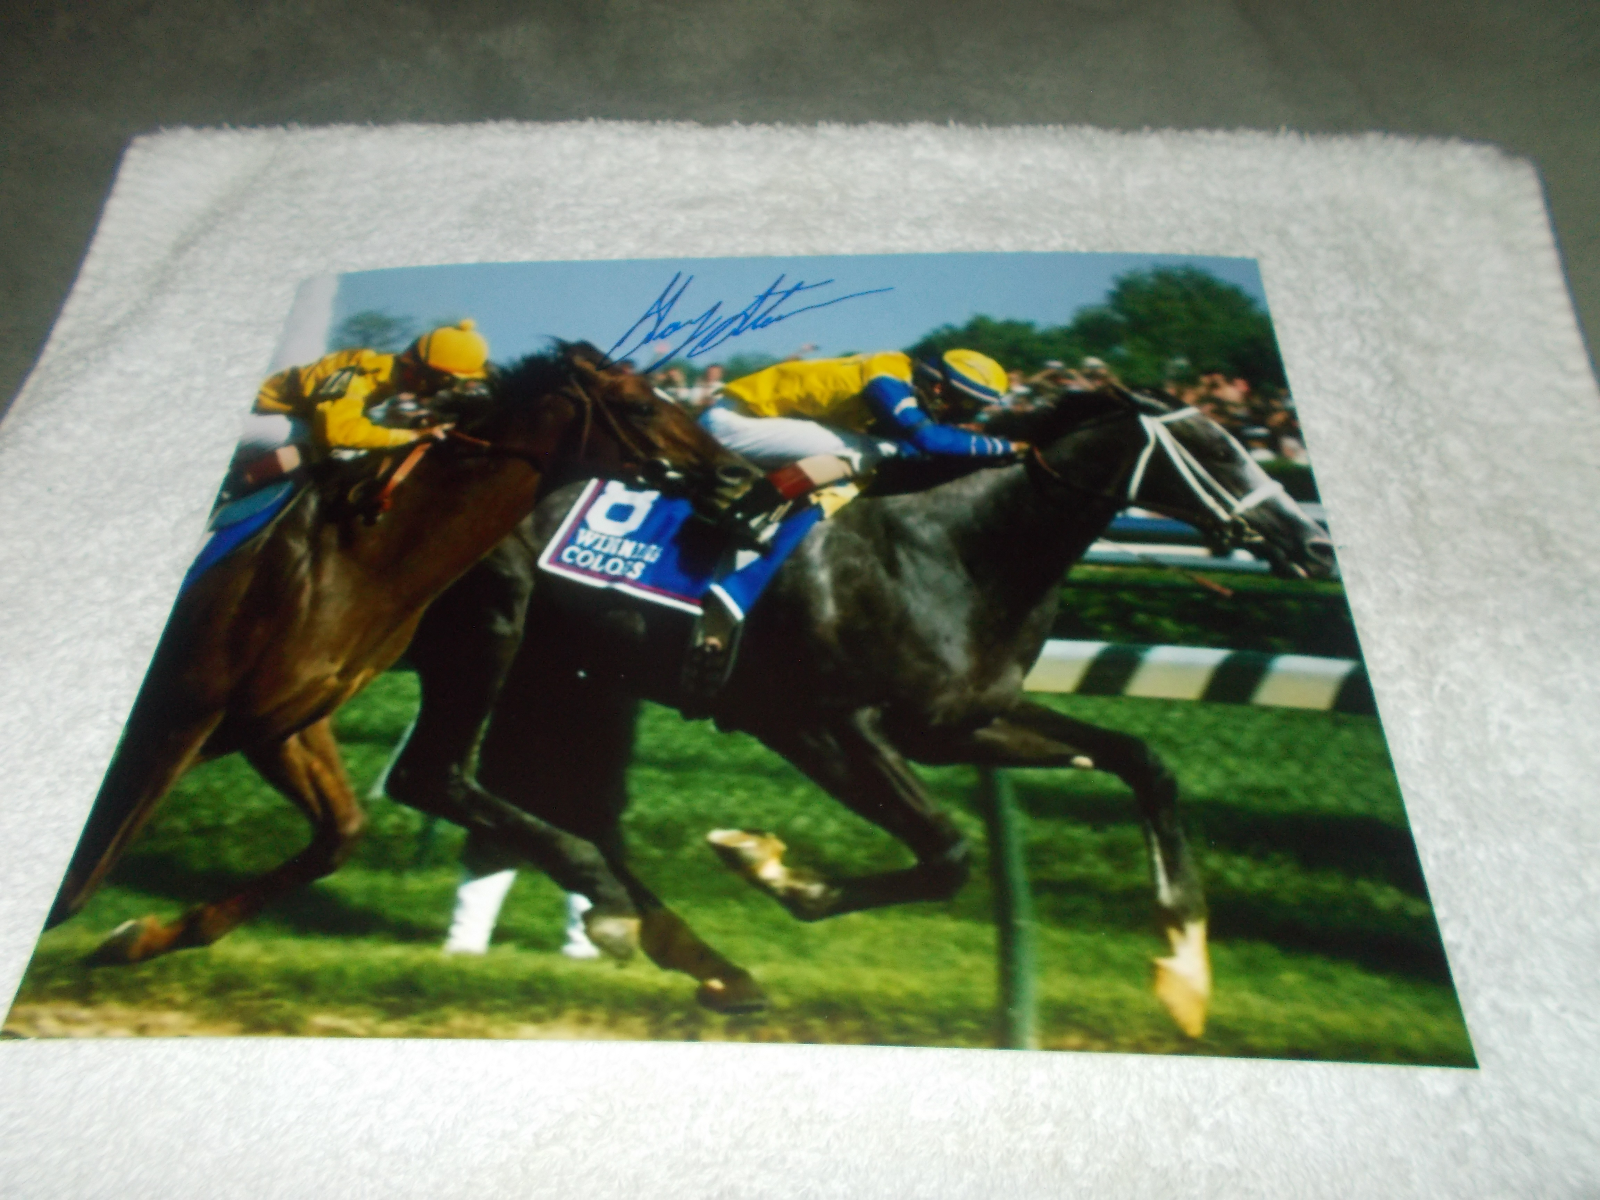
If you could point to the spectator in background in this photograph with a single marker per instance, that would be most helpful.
(670, 383)
(1285, 429)
(1018, 394)
(1095, 373)
(700, 395)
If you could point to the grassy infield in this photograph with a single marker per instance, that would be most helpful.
(1325, 946)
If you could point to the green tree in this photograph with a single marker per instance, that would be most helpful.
(1020, 345)
(374, 329)
(1152, 317)
(739, 365)
(1154, 324)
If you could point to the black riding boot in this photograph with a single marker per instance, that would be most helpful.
(751, 520)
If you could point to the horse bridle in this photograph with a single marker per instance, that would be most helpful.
(1217, 500)
(583, 402)
(1222, 504)
(590, 405)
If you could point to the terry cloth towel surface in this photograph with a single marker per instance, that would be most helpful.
(1440, 377)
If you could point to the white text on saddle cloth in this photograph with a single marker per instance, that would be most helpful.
(602, 545)
(616, 537)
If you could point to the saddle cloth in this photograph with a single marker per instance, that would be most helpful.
(235, 523)
(645, 545)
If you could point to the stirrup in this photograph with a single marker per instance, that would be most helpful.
(707, 666)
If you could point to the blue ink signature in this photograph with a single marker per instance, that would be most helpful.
(710, 329)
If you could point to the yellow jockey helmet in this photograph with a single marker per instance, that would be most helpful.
(458, 350)
(976, 376)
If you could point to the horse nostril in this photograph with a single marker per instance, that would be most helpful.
(1319, 551)
(659, 471)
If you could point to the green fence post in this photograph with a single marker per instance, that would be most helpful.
(1013, 909)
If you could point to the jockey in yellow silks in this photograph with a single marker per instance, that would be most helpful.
(813, 423)
(322, 406)
(816, 422)
(332, 395)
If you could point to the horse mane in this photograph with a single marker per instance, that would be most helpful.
(1062, 410)
(343, 485)
(539, 374)
(896, 476)
(1055, 415)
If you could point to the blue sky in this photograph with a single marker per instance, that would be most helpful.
(710, 309)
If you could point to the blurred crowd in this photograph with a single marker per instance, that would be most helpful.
(693, 391)
(1262, 419)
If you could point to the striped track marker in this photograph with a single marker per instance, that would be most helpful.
(1194, 673)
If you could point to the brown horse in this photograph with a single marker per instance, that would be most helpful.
(263, 648)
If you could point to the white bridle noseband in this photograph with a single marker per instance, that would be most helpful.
(1220, 502)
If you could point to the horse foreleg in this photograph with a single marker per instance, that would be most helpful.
(1030, 735)
(572, 862)
(463, 651)
(851, 760)
(665, 937)
(307, 768)
(725, 987)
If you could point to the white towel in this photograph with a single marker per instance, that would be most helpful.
(1440, 377)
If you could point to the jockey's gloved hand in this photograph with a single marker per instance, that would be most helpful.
(748, 517)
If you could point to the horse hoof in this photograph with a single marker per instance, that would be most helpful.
(617, 937)
(733, 995)
(758, 859)
(127, 943)
(1183, 1000)
(1183, 982)
(752, 854)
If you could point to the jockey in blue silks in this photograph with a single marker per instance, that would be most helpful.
(812, 423)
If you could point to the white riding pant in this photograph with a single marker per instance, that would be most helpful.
(262, 433)
(772, 442)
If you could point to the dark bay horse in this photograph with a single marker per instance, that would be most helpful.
(900, 630)
(262, 649)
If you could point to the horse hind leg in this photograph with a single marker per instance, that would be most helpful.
(306, 767)
(1030, 735)
(851, 760)
(149, 760)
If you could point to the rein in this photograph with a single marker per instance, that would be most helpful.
(398, 475)
(583, 401)
(1221, 503)
(1217, 500)
(590, 406)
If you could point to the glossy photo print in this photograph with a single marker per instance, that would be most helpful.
(940, 650)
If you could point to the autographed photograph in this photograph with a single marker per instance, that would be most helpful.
(926, 650)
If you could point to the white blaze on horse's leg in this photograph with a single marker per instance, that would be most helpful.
(578, 944)
(478, 901)
(1158, 869)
